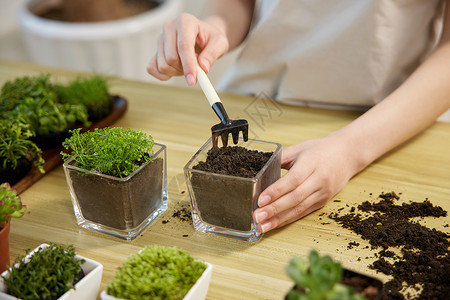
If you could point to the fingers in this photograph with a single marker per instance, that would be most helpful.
(179, 45)
(291, 198)
(185, 44)
(285, 184)
(301, 209)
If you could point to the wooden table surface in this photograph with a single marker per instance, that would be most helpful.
(181, 119)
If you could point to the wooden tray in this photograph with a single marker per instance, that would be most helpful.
(53, 157)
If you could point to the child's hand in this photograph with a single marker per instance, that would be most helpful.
(318, 170)
(181, 41)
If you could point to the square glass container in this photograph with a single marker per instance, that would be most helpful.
(223, 204)
(121, 207)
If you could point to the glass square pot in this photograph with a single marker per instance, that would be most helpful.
(121, 207)
(224, 204)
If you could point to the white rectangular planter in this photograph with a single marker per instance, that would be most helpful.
(197, 292)
(86, 289)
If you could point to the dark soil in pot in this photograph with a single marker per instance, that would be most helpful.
(92, 11)
(54, 139)
(366, 286)
(363, 285)
(422, 259)
(117, 204)
(77, 279)
(96, 113)
(12, 176)
(228, 202)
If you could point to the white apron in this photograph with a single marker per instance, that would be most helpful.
(338, 53)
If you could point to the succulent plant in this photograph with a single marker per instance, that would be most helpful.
(10, 204)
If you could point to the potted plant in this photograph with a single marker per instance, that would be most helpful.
(86, 35)
(117, 180)
(10, 207)
(52, 272)
(224, 185)
(17, 152)
(321, 278)
(33, 99)
(92, 92)
(159, 272)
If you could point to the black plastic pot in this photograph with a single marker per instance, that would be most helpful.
(12, 176)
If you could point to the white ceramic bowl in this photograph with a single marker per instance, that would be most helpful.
(86, 289)
(122, 47)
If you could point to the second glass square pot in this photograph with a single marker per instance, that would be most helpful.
(223, 204)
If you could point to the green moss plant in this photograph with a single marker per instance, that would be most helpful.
(90, 91)
(156, 272)
(48, 274)
(15, 144)
(317, 278)
(10, 204)
(111, 150)
(34, 100)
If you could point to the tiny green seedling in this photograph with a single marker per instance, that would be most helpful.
(111, 150)
(318, 279)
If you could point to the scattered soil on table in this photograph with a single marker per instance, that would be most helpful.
(423, 261)
(182, 214)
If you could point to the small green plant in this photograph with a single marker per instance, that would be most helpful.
(318, 279)
(10, 204)
(91, 91)
(15, 143)
(48, 274)
(35, 101)
(14, 91)
(110, 150)
(156, 273)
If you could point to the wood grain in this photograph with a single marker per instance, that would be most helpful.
(181, 119)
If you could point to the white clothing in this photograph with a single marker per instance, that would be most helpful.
(340, 52)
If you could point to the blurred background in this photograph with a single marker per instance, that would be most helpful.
(15, 43)
(121, 47)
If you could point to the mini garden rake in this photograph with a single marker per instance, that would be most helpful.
(226, 126)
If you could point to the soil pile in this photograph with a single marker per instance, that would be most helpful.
(234, 161)
(423, 259)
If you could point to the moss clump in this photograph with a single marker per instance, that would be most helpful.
(111, 150)
(49, 273)
(156, 273)
(92, 92)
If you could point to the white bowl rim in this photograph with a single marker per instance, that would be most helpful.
(92, 30)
